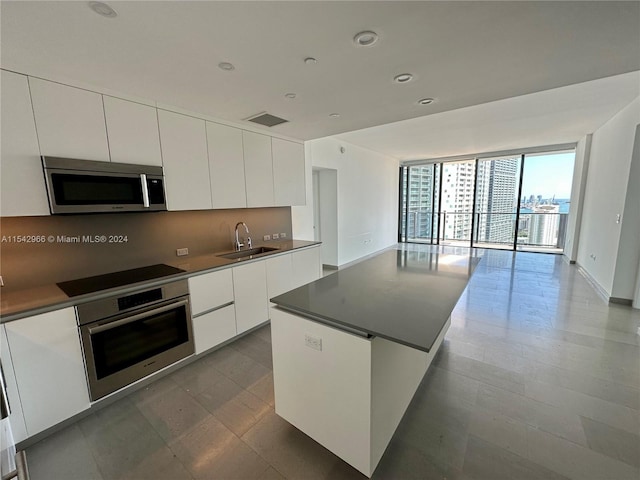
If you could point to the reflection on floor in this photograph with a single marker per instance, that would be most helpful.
(538, 378)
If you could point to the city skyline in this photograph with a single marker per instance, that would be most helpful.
(493, 184)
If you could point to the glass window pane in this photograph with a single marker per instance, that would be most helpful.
(498, 180)
(545, 202)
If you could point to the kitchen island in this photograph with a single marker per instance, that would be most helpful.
(350, 349)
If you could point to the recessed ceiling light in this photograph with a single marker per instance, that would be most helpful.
(290, 95)
(226, 66)
(403, 78)
(365, 39)
(334, 115)
(103, 9)
(310, 61)
(426, 101)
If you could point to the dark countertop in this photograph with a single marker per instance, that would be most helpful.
(45, 298)
(403, 296)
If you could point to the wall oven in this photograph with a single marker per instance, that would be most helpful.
(83, 186)
(127, 337)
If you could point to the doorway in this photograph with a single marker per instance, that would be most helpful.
(325, 213)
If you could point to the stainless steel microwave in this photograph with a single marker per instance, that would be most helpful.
(84, 186)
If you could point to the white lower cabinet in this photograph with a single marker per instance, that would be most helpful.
(210, 290)
(213, 328)
(307, 266)
(279, 275)
(250, 290)
(49, 368)
(214, 316)
(16, 419)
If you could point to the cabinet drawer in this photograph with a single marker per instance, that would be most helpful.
(213, 328)
(210, 290)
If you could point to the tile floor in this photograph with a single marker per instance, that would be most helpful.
(538, 378)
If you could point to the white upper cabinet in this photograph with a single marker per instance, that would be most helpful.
(186, 164)
(288, 173)
(22, 181)
(69, 121)
(226, 166)
(132, 130)
(258, 169)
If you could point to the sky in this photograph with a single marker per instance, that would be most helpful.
(548, 175)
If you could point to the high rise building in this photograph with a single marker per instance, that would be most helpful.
(543, 229)
(422, 183)
(496, 199)
(495, 196)
(457, 199)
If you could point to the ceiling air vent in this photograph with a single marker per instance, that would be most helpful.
(266, 119)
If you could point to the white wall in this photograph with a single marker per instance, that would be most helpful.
(629, 246)
(302, 216)
(605, 195)
(578, 187)
(367, 198)
(328, 208)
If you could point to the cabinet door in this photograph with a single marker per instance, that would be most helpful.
(250, 290)
(288, 173)
(49, 367)
(16, 419)
(132, 130)
(258, 169)
(186, 165)
(279, 275)
(307, 266)
(210, 290)
(22, 189)
(69, 121)
(213, 328)
(226, 166)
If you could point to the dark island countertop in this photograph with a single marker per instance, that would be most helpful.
(403, 296)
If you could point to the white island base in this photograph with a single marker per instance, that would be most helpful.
(345, 391)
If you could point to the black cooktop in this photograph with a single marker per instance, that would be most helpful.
(82, 286)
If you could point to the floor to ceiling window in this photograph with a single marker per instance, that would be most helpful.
(518, 201)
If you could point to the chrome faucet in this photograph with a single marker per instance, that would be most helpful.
(238, 245)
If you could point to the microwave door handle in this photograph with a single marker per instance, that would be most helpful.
(145, 190)
(135, 318)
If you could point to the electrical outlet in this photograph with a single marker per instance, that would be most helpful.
(266, 238)
(313, 342)
(275, 236)
(181, 252)
(283, 235)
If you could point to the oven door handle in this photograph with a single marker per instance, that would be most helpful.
(135, 318)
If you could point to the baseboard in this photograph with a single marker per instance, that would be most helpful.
(329, 267)
(593, 282)
(621, 301)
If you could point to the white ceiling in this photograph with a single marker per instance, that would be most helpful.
(462, 53)
(552, 117)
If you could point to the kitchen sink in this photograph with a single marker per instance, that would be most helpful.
(248, 253)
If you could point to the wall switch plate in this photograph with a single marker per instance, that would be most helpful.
(313, 342)
(266, 238)
(275, 236)
(283, 235)
(181, 252)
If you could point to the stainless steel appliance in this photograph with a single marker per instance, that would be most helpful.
(83, 186)
(127, 337)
